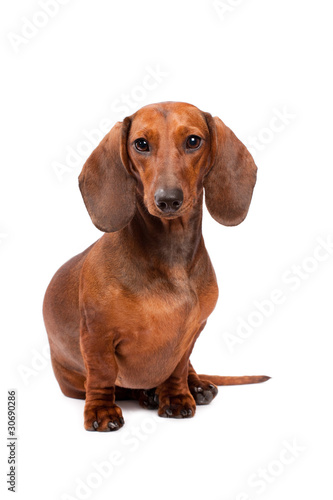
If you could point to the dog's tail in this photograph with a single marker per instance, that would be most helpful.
(251, 379)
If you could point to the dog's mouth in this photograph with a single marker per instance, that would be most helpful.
(168, 214)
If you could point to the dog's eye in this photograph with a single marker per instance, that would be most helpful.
(141, 144)
(193, 142)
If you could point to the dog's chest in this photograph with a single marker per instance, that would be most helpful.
(155, 328)
(164, 310)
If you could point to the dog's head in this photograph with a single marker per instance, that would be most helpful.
(168, 152)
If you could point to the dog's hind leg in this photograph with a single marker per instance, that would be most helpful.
(147, 398)
(71, 382)
(202, 389)
(72, 385)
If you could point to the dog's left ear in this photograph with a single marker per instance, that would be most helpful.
(232, 176)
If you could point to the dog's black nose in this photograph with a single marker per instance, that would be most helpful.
(169, 200)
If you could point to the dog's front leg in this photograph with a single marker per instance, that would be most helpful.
(175, 398)
(100, 411)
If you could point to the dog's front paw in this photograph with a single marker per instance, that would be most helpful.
(203, 391)
(179, 406)
(102, 418)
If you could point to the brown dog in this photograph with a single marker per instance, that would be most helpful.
(123, 316)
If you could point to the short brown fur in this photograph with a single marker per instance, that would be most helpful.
(123, 316)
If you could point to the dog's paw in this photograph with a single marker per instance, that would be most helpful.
(148, 399)
(103, 418)
(180, 406)
(203, 391)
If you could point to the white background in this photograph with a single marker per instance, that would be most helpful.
(245, 64)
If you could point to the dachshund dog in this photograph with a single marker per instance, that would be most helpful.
(123, 316)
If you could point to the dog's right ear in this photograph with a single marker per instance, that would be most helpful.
(107, 188)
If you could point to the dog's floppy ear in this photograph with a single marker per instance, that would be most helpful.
(230, 181)
(108, 190)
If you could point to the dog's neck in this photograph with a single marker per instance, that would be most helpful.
(170, 242)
